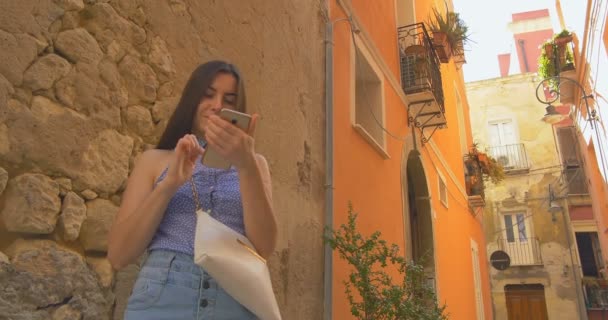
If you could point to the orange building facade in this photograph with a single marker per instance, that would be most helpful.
(397, 148)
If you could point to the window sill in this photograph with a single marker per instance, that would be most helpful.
(368, 137)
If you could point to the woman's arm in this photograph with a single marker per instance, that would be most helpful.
(256, 194)
(237, 146)
(143, 206)
(140, 213)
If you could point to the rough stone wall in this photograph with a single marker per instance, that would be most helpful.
(86, 86)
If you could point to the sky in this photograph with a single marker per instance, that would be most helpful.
(488, 21)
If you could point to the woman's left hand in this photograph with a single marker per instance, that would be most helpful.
(232, 143)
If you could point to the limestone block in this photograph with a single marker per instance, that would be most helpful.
(103, 269)
(114, 51)
(70, 5)
(73, 214)
(139, 78)
(17, 52)
(65, 312)
(139, 120)
(45, 71)
(161, 59)
(163, 109)
(65, 186)
(32, 204)
(31, 17)
(106, 25)
(95, 229)
(3, 179)
(43, 273)
(79, 46)
(6, 90)
(4, 258)
(89, 194)
(105, 163)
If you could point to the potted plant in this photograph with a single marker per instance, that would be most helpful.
(491, 168)
(557, 59)
(562, 38)
(547, 48)
(450, 34)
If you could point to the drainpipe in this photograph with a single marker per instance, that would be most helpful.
(523, 55)
(329, 161)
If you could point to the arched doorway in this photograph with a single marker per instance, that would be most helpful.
(418, 216)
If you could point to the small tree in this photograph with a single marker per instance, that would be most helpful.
(372, 293)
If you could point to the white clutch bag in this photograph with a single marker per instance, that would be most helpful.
(230, 258)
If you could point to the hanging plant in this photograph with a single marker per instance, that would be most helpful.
(491, 168)
(450, 33)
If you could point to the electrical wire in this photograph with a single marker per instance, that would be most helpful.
(576, 174)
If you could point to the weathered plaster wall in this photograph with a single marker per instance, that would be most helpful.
(86, 86)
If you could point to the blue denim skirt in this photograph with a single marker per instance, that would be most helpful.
(171, 286)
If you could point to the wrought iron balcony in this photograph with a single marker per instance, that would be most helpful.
(421, 79)
(512, 157)
(596, 296)
(523, 250)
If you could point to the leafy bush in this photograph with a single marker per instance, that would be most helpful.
(372, 293)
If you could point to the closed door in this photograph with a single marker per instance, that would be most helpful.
(526, 302)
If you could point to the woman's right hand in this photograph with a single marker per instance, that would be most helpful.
(181, 166)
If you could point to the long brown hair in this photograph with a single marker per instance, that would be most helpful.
(201, 78)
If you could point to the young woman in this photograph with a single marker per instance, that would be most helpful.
(157, 213)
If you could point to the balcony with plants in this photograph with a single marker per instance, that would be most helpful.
(556, 61)
(480, 167)
(450, 35)
(512, 157)
(420, 56)
(421, 79)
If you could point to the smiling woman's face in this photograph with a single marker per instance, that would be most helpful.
(222, 93)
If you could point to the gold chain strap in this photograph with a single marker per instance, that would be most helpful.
(195, 195)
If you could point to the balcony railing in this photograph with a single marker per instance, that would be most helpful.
(523, 251)
(512, 157)
(421, 79)
(596, 297)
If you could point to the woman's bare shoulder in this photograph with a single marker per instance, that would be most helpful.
(153, 161)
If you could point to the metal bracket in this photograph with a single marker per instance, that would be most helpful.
(412, 119)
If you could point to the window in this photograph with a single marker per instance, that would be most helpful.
(504, 141)
(443, 190)
(368, 98)
(517, 240)
(515, 227)
(569, 153)
(589, 253)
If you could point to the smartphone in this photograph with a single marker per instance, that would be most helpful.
(211, 158)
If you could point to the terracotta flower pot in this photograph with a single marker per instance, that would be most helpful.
(563, 40)
(442, 46)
